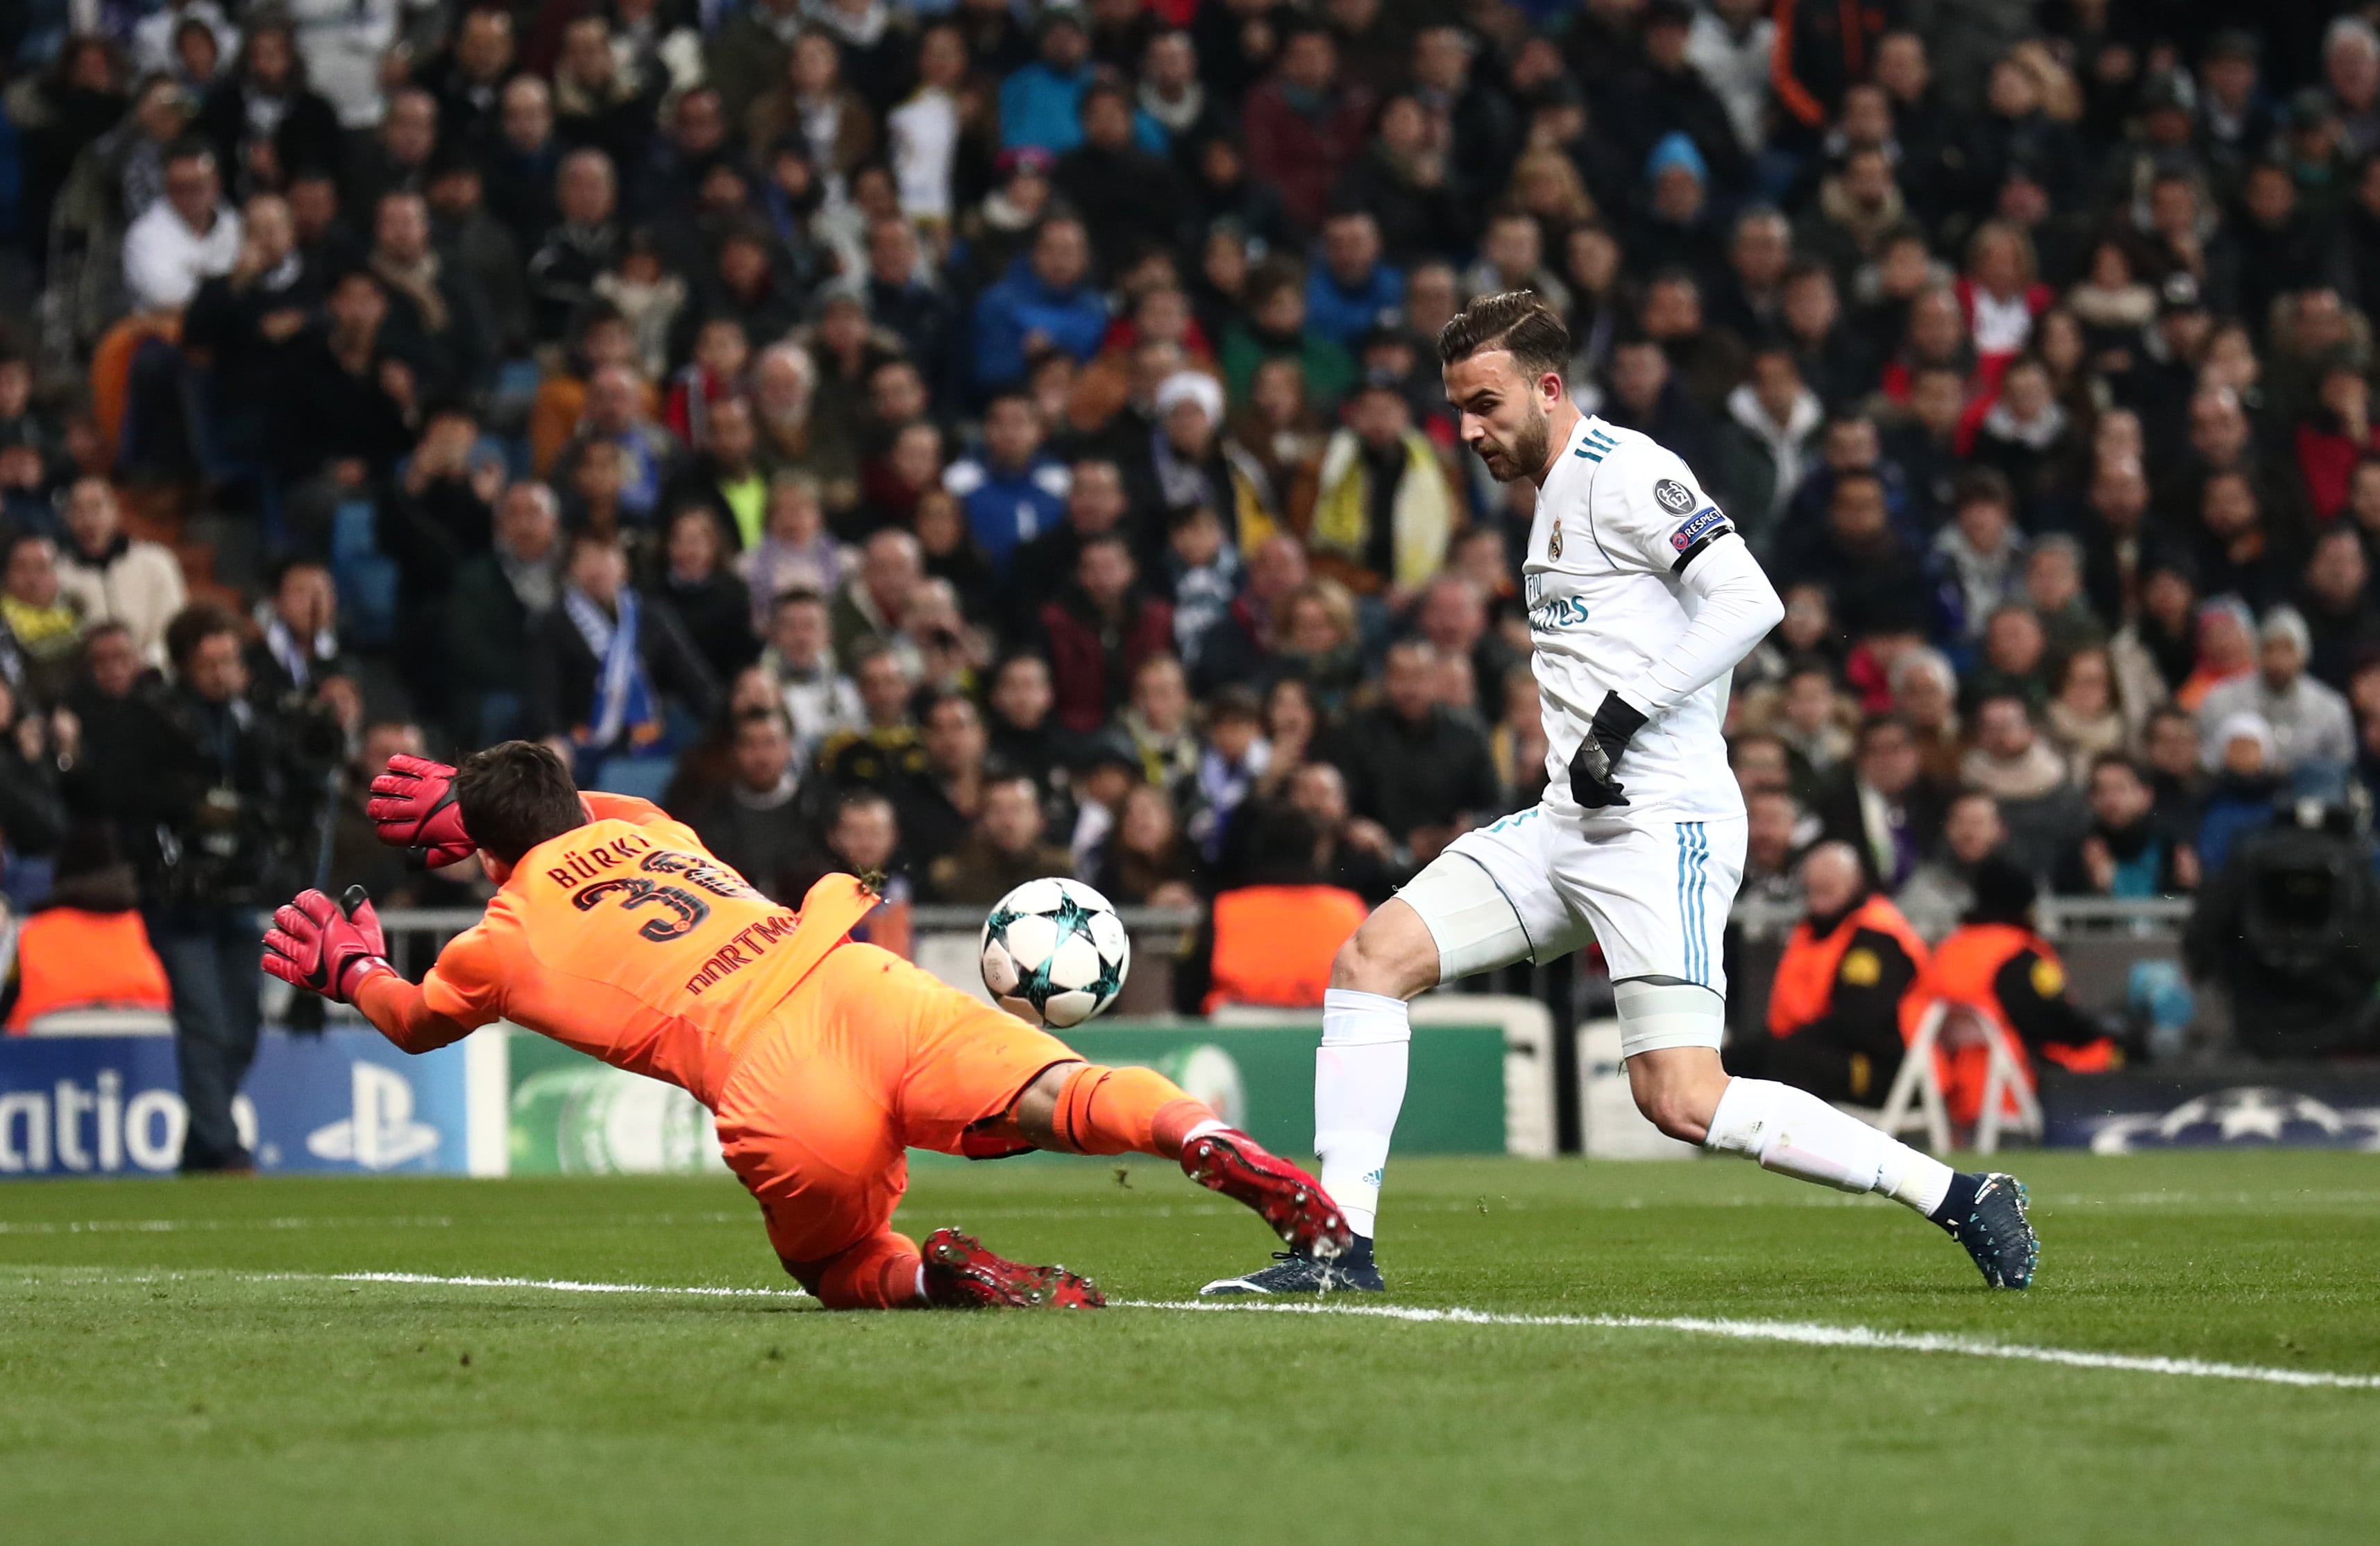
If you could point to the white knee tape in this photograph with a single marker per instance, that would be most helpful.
(1471, 921)
(1658, 1015)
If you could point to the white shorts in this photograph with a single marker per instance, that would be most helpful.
(1537, 885)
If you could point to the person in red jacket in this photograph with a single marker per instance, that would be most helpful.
(1099, 632)
(1304, 126)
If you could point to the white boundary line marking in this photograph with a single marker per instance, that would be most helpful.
(1809, 1333)
(1806, 1334)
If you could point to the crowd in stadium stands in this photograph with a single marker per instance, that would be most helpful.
(975, 438)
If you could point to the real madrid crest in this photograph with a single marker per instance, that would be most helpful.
(1553, 540)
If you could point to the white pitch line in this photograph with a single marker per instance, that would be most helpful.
(552, 1285)
(1806, 1334)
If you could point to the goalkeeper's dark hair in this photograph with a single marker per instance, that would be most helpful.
(1518, 322)
(514, 795)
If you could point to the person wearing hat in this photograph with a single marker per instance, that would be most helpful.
(1669, 94)
(2001, 979)
(1676, 231)
(1387, 509)
(1184, 463)
(2311, 729)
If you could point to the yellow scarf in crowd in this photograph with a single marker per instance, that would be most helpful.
(1423, 512)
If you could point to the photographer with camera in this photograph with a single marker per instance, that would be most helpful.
(234, 805)
(2291, 928)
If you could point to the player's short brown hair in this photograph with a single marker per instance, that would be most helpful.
(514, 795)
(1518, 322)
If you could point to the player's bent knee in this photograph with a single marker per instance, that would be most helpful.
(1392, 955)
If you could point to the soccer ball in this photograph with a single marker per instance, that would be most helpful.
(1054, 952)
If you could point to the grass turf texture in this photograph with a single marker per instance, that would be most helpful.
(155, 1387)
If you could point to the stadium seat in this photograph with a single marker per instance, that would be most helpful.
(365, 576)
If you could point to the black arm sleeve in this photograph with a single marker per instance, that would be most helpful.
(1864, 1016)
(2040, 1020)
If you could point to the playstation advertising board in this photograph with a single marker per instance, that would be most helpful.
(343, 1101)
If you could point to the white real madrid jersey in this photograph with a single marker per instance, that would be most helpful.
(1618, 521)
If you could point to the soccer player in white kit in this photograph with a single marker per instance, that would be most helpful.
(1642, 598)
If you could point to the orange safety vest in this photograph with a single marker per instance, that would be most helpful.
(1964, 965)
(1812, 965)
(1273, 944)
(67, 959)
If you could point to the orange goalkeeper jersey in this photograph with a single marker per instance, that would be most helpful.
(627, 939)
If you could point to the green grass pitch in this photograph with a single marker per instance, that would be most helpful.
(178, 1365)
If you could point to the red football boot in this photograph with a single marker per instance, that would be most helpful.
(961, 1274)
(1293, 1202)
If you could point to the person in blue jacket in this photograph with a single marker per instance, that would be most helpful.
(1351, 287)
(1010, 490)
(1047, 302)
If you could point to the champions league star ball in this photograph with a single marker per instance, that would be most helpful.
(1054, 952)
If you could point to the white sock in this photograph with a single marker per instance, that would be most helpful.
(1359, 1084)
(1795, 1133)
(921, 1282)
(1212, 1124)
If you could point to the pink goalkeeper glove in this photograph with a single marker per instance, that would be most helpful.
(413, 806)
(325, 946)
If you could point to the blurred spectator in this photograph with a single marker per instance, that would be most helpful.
(32, 748)
(875, 596)
(2342, 618)
(2000, 978)
(1011, 490)
(2082, 717)
(2313, 735)
(819, 700)
(1044, 299)
(1385, 512)
(1157, 721)
(187, 235)
(1004, 850)
(44, 627)
(884, 752)
(755, 825)
(84, 946)
(2126, 853)
(940, 806)
(605, 670)
(1099, 633)
(1943, 888)
(1886, 812)
(232, 788)
(1845, 998)
(2241, 787)
(111, 577)
(2013, 764)
(1421, 771)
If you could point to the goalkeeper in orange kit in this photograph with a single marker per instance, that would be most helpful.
(615, 932)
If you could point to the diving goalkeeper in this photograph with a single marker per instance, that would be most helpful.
(615, 932)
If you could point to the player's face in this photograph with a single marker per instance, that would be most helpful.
(1503, 413)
